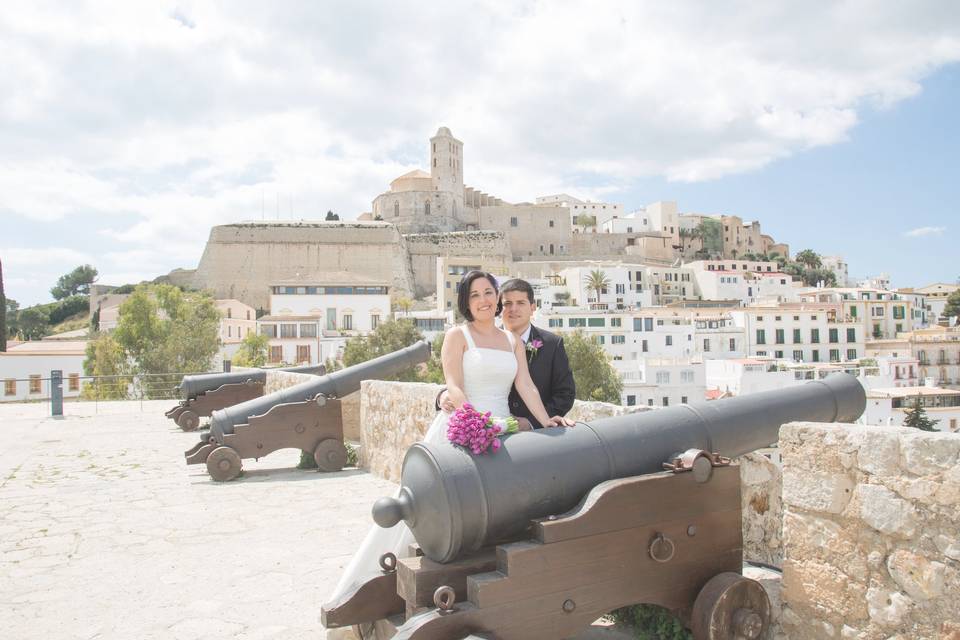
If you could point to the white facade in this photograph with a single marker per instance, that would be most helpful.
(882, 314)
(25, 369)
(661, 382)
(431, 323)
(801, 333)
(839, 267)
(353, 309)
(890, 406)
(296, 340)
(599, 210)
(881, 281)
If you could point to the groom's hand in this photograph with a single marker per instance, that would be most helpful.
(446, 404)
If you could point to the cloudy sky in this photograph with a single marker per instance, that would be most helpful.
(129, 128)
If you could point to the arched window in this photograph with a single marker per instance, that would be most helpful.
(396, 209)
(434, 162)
(426, 208)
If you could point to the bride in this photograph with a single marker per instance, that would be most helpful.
(480, 363)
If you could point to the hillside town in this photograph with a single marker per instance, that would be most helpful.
(687, 306)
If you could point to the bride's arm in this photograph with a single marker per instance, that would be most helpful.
(451, 356)
(529, 393)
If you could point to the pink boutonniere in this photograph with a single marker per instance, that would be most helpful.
(532, 348)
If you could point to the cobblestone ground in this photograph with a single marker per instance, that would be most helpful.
(106, 533)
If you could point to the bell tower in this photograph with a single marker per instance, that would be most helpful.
(446, 162)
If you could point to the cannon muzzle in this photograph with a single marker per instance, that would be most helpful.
(456, 503)
(332, 385)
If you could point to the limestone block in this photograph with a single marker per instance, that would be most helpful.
(878, 450)
(948, 546)
(762, 509)
(822, 588)
(924, 453)
(919, 489)
(949, 630)
(887, 608)
(811, 445)
(921, 578)
(817, 491)
(812, 537)
(884, 511)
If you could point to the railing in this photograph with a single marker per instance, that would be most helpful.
(91, 389)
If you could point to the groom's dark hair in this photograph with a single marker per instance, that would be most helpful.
(463, 292)
(516, 284)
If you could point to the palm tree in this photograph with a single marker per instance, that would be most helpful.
(597, 281)
(808, 258)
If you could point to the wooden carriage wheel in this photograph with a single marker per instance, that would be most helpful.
(730, 607)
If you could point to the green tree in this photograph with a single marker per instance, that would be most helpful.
(77, 282)
(597, 281)
(809, 259)
(710, 232)
(811, 277)
(12, 308)
(952, 308)
(388, 337)
(402, 303)
(917, 417)
(253, 350)
(3, 313)
(331, 216)
(34, 323)
(434, 369)
(594, 377)
(106, 360)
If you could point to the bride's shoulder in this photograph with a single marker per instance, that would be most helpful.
(455, 333)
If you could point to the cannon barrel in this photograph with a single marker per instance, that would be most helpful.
(456, 503)
(332, 385)
(193, 385)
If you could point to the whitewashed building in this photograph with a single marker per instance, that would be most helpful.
(882, 314)
(661, 382)
(25, 368)
(801, 332)
(890, 406)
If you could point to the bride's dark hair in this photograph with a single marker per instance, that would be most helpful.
(463, 292)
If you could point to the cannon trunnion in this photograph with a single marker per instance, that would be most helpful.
(306, 416)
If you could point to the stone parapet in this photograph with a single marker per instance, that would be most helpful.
(870, 527)
(349, 405)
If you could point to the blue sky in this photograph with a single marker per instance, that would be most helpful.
(131, 128)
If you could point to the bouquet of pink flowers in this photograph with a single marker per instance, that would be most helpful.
(478, 431)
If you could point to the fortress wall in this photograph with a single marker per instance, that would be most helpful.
(243, 260)
(425, 248)
(871, 532)
(532, 230)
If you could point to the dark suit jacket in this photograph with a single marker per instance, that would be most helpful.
(550, 371)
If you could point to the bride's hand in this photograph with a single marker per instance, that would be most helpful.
(559, 421)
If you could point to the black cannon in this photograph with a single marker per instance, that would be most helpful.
(305, 416)
(563, 525)
(203, 393)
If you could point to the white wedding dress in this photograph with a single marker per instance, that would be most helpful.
(488, 375)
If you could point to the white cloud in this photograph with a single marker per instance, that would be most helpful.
(164, 118)
(920, 232)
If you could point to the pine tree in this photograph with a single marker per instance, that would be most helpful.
(917, 417)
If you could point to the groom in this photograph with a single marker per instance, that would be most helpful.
(546, 357)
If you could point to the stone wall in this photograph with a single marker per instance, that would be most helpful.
(761, 483)
(424, 248)
(349, 405)
(871, 524)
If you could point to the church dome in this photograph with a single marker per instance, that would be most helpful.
(416, 180)
(443, 131)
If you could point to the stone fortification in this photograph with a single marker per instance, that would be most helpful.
(424, 249)
(243, 260)
(871, 525)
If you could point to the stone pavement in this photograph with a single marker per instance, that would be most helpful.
(106, 533)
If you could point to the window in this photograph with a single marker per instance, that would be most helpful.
(73, 382)
(666, 401)
(669, 340)
(876, 312)
(834, 355)
(649, 402)
(396, 205)
(555, 322)
(815, 355)
(796, 336)
(798, 355)
(686, 376)
(778, 336)
(663, 377)
(898, 313)
(761, 336)
(631, 401)
(248, 314)
(621, 289)
(815, 336)
(596, 322)
(851, 354)
(683, 399)
(308, 330)
(706, 344)
(601, 339)
(616, 322)
(229, 312)
(331, 319)
(576, 322)
(288, 331)
(833, 335)
(778, 355)
(643, 346)
(9, 387)
(851, 335)
(276, 353)
(551, 223)
(229, 331)
(426, 208)
(618, 339)
(303, 353)
(34, 384)
(269, 330)
(513, 221)
(375, 319)
(347, 321)
(733, 344)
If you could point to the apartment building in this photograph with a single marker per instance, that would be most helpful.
(741, 376)
(661, 382)
(746, 281)
(800, 332)
(890, 406)
(935, 296)
(937, 350)
(881, 314)
(25, 368)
